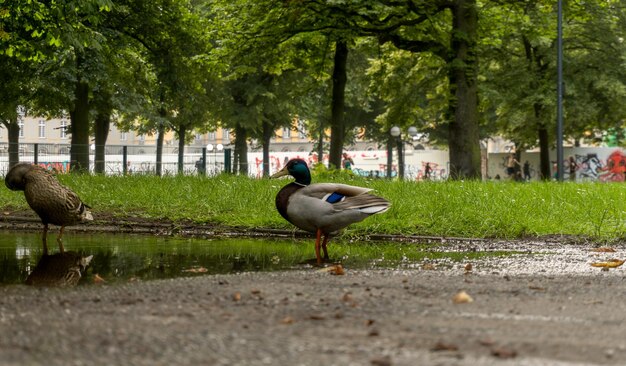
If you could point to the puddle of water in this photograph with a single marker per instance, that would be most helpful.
(122, 257)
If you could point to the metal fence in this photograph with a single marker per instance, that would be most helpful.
(123, 159)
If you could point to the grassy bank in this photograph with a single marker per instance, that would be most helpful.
(465, 209)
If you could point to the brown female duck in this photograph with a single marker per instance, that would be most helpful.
(323, 208)
(53, 202)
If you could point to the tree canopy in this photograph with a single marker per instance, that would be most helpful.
(460, 71)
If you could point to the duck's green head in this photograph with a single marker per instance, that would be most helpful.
(298, 169)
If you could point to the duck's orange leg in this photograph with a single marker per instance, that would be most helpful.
(317, 246)
(45, 239)
(324, 247)
(60, 240)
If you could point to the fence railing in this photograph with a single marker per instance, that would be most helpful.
(123, 159)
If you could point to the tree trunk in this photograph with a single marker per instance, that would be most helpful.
(539, 68)
(159, 149)
(268, 132)
(337, 125)
(320, 143)
(182, 132)
(464, 139)
(241, 149)
(79, 127)
(544, 153)
(14, 140)
(103, 123)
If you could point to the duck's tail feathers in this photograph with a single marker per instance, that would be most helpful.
(375, 209)
(365, 203)
(85, 213)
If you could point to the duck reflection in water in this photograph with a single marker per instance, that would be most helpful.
(59, 270)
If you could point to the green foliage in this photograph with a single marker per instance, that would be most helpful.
(188, 65)
(33, 29)
(518, 74)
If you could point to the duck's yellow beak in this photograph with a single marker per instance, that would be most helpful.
(280, 173)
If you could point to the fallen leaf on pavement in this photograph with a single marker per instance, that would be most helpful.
(336, 269)
(503, 352)
(381, 361)
(613, 263)
(603, 250)
(441, 346)
(287, 320)
(97, 279)
(236, 296)
(428, 267)
(462, 297)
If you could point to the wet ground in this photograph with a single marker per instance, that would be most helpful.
(312, 317)
(543, 303)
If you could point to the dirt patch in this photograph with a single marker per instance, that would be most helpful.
(27, 220)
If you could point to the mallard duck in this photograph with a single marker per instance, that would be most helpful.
(323, 208)
(53, 202)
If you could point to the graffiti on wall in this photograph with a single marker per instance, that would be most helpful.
(57, 167)
(593, 164)
(590, 167)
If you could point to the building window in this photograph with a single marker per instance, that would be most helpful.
(123, 136)
(286, 132)
(20, 124)
(225, 134)
(211, 136)
(198, 137)
(42, 129)
(63, 129)
(142, 138)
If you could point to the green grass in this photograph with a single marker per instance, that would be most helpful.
(463, 209)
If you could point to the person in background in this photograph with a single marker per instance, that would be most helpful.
(427, 171)
(572, 166)
(511, 162)
(347, 162)
(200, 166)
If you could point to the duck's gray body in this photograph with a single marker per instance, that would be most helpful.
(323, 208)
(308, 209)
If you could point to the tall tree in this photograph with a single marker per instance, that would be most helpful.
(447, 29)
(37, 31)
(16, 78)
(171, 33)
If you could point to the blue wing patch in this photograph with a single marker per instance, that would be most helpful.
(335, 197)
